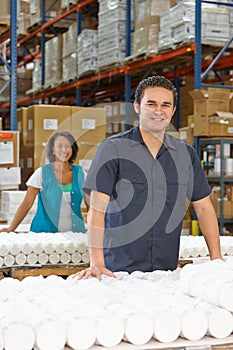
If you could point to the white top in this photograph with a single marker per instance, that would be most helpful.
(65, 219)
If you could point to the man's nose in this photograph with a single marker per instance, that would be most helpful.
(158, 108)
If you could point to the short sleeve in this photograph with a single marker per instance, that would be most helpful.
(103, 171)
(201, 187)
(36, 179)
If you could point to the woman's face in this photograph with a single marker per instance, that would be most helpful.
(62, 149)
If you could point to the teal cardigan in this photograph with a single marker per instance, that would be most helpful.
(49, 201)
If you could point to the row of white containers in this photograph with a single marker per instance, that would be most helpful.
(127, 311)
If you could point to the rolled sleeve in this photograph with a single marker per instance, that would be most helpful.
(104, 169)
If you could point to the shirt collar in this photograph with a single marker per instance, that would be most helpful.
(169, 141)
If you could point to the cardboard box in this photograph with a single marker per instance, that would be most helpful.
(207, 103)
(44, 120)
(22, 125)
(227, 208)
(88, 125)
(213, 126)
(9, 149)
(9, 177)
(186, 134)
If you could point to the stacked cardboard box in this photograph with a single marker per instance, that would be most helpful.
(147, 25)
(69, 47)
(10, 175)
(205, 104)
(10, 201)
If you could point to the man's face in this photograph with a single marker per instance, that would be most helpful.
(156, 109)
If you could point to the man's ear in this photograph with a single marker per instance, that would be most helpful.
(136, 107)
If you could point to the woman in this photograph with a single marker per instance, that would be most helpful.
(58, 185)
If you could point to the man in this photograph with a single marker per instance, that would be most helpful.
(139, 183)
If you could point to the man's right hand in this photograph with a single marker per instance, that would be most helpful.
(94, 271)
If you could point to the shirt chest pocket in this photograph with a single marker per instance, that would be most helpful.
(132, 190)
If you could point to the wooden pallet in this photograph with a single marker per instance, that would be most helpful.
(46, 270)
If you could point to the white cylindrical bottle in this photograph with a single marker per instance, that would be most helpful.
(167, 326)
(26, 248)
(81, 248)
(9, 260)
(65, 258)
(14, 249)
(50, 335)
(48, 248)
(19, 336)
(86, 257)
(54, 258)
(138, 329)
(76, 258)
(81, 334)
(32, 259)
(109, 331)
(194, 325)
(60, 248)
(70, 247)
(220, 323)
(4, 249)
(20, 259)
(43, 258)
(37, 248)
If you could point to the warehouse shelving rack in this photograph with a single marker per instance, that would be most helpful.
(126, 75)
(220, 179)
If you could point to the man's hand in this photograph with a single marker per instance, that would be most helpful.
(94, 271)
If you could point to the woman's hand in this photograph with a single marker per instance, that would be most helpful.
(6, 229)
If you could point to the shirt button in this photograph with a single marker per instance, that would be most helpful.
(72, 192)
(72, 203)
(72, 213)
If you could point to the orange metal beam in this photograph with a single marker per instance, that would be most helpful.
(4, 36)
(162, 57)
(29, 58)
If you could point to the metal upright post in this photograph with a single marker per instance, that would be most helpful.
(198, 55)
(43, 54)
(13, 70)
(127, 73)
(78, 89)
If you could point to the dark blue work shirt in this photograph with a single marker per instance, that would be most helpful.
(148, 199)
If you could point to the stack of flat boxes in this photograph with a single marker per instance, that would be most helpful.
(10, 201)
(53, 9)
(87, 51)
(112, 31)
(53, 61)
(177, 25)
(69, 48)
(116, 116)
(24, 17)
(10, 176)
(147, 25)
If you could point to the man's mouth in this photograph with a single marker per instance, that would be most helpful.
(158, 119)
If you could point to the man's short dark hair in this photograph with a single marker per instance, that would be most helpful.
(154, 81)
